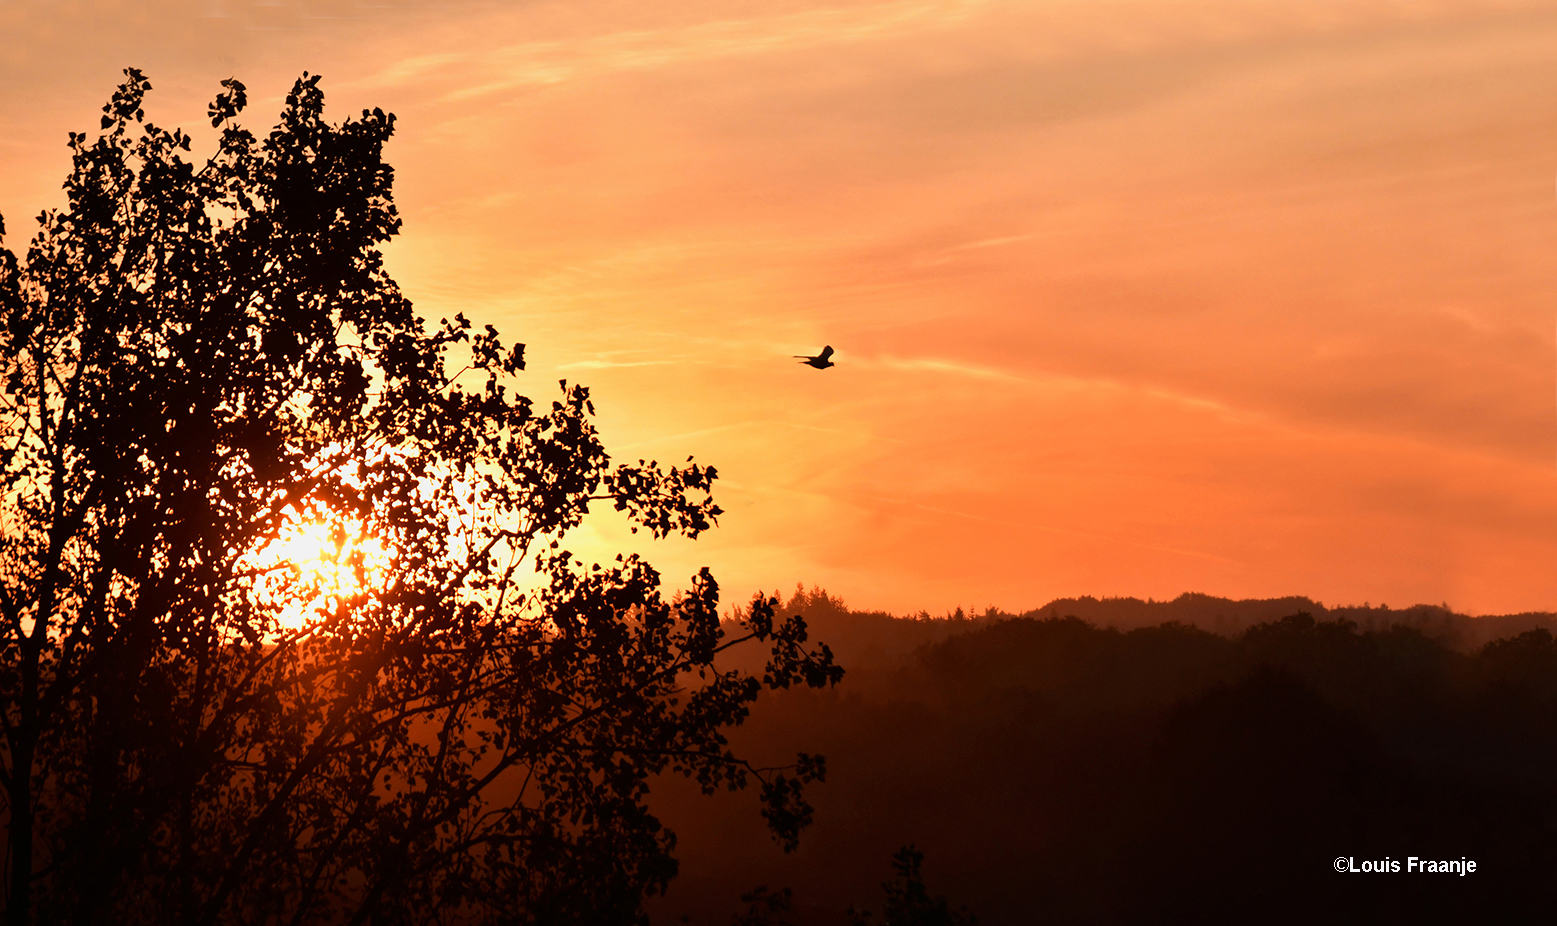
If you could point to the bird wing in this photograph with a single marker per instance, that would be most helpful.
(827, 352)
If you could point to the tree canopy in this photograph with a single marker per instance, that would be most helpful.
(444, 716)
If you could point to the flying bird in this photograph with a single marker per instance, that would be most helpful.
(820, 361)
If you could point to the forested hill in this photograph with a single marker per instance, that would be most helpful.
(1227, 617)
(1059, 770)
(874, 637)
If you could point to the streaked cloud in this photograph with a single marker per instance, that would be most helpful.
(555, 61)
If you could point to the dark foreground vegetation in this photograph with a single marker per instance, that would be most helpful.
(1055, 771)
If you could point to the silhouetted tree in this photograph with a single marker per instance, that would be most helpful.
(909, 902)
(199, 362)
(764, 907)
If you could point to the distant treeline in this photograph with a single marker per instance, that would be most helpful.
(1054, 770)
(871, 636)
(1229, 618)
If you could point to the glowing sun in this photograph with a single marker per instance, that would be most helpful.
(314, 563)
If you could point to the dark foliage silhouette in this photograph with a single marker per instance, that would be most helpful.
(764, 908)
(199, 727)
(909, 902)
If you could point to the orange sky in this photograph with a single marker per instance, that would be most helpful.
(1247, 297)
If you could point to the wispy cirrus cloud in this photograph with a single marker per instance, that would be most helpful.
(483, 72)
(1056, 381)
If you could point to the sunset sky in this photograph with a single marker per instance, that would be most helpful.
(1129, 297)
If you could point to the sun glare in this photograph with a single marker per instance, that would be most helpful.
(313, 563)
